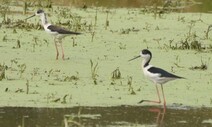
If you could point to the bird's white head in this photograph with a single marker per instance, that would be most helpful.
(42, 15)
(146, 54)
(39, 12)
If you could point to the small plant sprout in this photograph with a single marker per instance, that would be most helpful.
(50, 72)
(107, 21)
(94, 69)
(14, 31)
(22, 68)
(25, 8)
(208, 30)
(147, 27)
(92, 35)
(27, 87)
(34, 73)
(158, 41)
(122, 46)
(49, 4)
(116, 74)
(64, 99)
(95, 21)
(2, 71)
(71, 78)
(18, 44)
(203, 66)
(35, 39)
(4, 10)
(4, 39)
(129, 83)
(191, 26)
(13, 61)
(177, 63)
(74, 42)
(46, 42)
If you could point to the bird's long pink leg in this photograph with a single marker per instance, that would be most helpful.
(55, 41)
(159, 100)
(62, 50)
(164, 99)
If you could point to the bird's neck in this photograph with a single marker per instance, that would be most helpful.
(145, 62)
(43, 19)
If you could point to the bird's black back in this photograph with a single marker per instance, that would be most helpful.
(162, 72)
(61, 30)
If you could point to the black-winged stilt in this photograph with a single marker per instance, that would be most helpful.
(157, 75)
(57, 32)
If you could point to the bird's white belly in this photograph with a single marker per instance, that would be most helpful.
(155, 78)
(50, 32)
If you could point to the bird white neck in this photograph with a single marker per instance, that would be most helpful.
(43, 19)
(145, 62)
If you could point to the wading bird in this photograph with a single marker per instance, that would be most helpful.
(157, 75)
(58, 32)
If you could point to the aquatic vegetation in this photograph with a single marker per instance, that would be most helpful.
(27, 87)
(65, 17)
(92, 35)
(19, 90)
(94, 69)
(122, 46)
(96, 16)
(158, 41)
(191, 41)
(25, 7)
(208, 30)
(4, 39)
(203, 66)
(181, 18)
(147, 27)
(22, 24)
(116, 35)
(64, 101)
(44, 3)
(2, 71)
(71, 78)
(21, 69)
(116, 74)
(34, 73)
(129, 83)
(56, 100)
(107, 22)
(177, 63)
(4, 9)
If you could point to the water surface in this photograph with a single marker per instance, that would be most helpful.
(106, 116)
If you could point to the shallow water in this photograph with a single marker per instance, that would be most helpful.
(106, 116)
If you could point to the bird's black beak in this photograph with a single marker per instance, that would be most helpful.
(30, 17)
(134, 58)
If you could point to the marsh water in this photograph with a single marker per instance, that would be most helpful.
(105, 116)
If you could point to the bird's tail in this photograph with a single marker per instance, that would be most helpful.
(76, 33)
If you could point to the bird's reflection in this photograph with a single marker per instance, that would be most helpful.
(160, 113)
